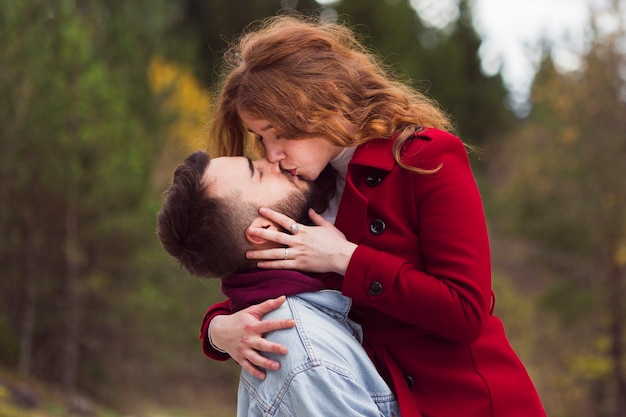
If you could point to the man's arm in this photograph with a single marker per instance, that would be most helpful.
(207, 347)
(240, 335)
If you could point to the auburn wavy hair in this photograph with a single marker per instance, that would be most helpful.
(299, 73)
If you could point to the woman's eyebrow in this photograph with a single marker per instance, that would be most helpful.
(263, 129)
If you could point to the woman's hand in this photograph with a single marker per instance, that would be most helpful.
(320, 248)
(241, 336)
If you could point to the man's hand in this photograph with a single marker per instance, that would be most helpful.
(241, 336)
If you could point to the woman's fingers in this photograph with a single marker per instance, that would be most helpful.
(318, 219)
(276, 216)
(271, 235)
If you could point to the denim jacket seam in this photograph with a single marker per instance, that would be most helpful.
(271, 408)
(304, 338)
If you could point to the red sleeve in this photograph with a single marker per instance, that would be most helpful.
(215, 310)
(446, 289)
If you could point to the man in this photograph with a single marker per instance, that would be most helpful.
(203, 223)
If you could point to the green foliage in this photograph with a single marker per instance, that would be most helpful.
(561, 189)
(79, 139)
(81, 162)
(449, 71)
(571, 301)
(475, 100)
(8, 341)
(447, 67)
(206, 28)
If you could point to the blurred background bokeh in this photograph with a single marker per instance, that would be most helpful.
(101, 99)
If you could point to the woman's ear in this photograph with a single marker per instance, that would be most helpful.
(260, 222)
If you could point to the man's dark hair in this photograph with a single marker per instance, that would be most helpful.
(199, 230)
(207, 234)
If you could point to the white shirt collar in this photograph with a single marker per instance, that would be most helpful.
(340, 163)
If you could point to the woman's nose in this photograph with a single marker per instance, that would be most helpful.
(273, 154)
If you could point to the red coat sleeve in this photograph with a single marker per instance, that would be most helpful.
(431, 267)
(215, 310)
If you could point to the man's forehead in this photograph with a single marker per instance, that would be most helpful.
(224, 174)
(225, 167)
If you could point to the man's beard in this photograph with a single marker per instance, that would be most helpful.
(296, 205)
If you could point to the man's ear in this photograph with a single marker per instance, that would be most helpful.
(260, 222)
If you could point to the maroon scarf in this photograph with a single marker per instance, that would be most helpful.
(251, 288)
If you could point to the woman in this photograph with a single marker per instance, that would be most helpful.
(409, 242)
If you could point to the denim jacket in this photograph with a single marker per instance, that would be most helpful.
(326, 371)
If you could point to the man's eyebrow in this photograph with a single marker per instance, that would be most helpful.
(251, 167)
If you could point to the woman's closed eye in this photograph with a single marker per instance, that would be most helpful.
(260, 138)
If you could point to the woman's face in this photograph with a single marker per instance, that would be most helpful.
(305, 158)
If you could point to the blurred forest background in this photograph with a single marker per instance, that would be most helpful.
(100, 100)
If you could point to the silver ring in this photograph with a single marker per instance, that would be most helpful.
(293, 229)
(286, 253)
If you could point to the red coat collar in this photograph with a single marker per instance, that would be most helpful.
(377, 153)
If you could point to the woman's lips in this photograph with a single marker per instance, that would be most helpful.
(290, 171)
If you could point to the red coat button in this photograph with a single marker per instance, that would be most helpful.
(376, 288)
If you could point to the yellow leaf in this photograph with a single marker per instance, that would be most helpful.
(185, 99)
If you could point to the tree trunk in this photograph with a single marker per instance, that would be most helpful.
(72, 260)
(27, 328)
(616, 303)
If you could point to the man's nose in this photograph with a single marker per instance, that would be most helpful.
(270, 167)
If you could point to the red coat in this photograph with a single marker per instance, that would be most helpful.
(420, 280)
